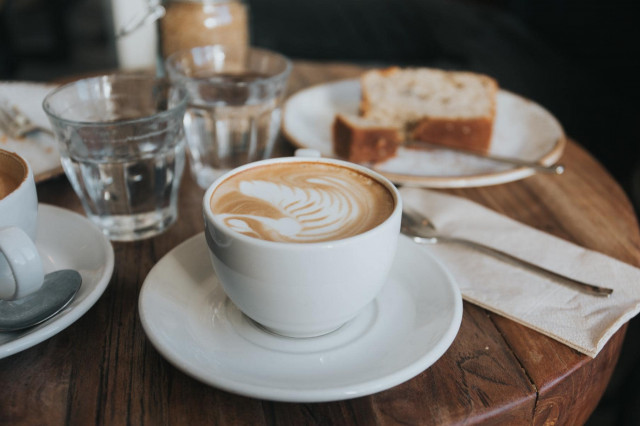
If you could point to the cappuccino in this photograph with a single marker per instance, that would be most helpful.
(12, 172)
(301, 202)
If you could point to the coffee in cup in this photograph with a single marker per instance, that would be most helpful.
(301, 202)
(302, 245)
(21, 271)
(11, 174)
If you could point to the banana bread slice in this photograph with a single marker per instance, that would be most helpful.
(361, 140)
(453, 108)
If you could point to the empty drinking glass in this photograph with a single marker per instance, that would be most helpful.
(122, 145)
(234, 110)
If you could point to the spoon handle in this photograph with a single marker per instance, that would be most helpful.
(557, 169)
(579, 285)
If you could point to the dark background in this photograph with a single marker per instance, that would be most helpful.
(578, 59)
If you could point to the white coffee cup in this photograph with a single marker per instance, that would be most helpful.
(21, 271)
(300, 289)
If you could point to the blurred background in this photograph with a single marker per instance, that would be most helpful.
(577, 58)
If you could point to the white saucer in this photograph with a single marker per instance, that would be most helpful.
(66, 240)
(522, 129)
(191, 322)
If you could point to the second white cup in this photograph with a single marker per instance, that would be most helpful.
(21, 271)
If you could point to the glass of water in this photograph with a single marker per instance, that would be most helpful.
(235, 103)
(122, 147)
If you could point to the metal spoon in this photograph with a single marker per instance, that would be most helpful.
(556, 169)
(422, 231)
(58, 290)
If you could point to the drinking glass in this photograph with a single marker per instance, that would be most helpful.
(122, 146)
(234, 111)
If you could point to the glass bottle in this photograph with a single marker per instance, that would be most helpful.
(192, 23)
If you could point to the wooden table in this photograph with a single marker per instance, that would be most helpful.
(102, 369)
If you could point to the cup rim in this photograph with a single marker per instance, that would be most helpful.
(259, 80)
(25, 166)
(182, 104)
(210, 217)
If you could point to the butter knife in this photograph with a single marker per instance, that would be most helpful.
(557, 169)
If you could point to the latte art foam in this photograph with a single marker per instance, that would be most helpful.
(301, 202)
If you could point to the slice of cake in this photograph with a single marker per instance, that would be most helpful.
(445, 107)
(361, 140)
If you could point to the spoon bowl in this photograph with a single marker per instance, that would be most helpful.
(57, 291)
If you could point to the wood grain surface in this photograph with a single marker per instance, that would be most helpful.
(103, 370)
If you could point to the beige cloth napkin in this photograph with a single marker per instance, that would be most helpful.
(40, 150)
(581, 321)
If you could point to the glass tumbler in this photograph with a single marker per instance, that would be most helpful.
(235, 103)
(122, 147)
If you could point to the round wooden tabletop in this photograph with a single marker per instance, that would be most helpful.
(103, 369)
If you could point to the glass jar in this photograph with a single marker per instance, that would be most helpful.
(192, 23)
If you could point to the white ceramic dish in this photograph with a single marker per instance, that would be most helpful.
(66, 240)
(192, 323)
(39, 149)
(523, 129)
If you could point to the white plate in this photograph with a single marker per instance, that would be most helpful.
(39, 149)
(66, 240)
(522, 129)
(191, 322)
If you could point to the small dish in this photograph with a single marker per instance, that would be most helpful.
(522, 129)
(66, 240)
(39, 148)
(192, 323)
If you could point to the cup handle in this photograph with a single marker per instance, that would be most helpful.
(24, 261)
(307, 152)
